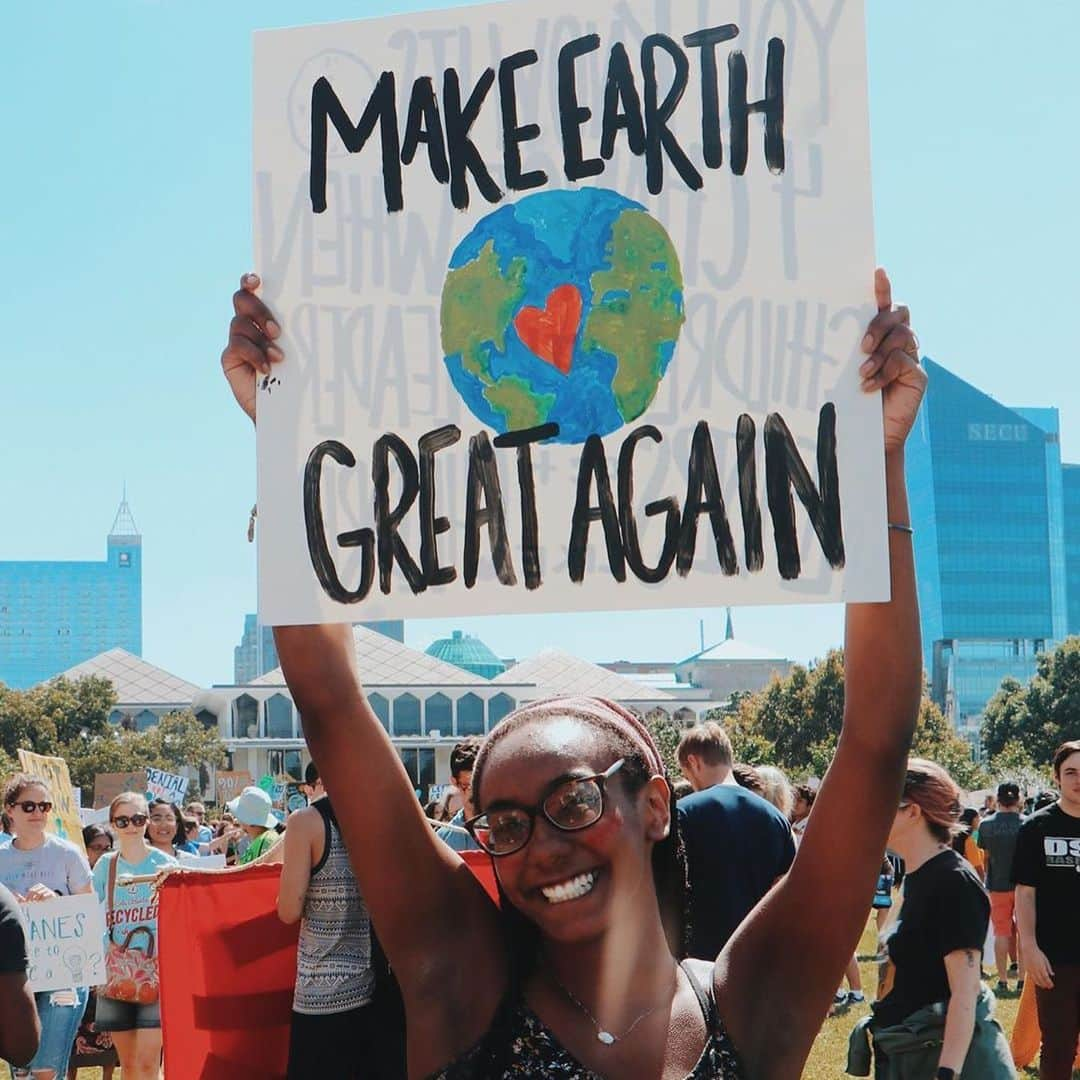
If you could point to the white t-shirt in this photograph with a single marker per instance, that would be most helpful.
(57, 864)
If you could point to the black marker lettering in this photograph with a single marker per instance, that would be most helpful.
(658, 139)
(707, 40)
(572, 114)
(668, 506)
(621, 89)
(745, 433)
(703, 495)
(784, 469)
(464, 157)
(431, 527)
(515, 134)
(423, 125)
(382, 109)
(321, 560)
(483, 477)
(593, 465)
(771, 105)
(530, 528)
(390, 546)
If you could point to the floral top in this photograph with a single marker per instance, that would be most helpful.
(519, 1045)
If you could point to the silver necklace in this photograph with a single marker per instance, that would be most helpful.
(602, 1034)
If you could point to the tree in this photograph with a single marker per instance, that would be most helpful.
(47, 716)
(1014, 762)
(937, 740)
(1005, 718)
(666, 733)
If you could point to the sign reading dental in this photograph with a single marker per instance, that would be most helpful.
(64, 942)
(165, 785)
(572, 301)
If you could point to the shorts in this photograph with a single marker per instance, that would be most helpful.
(347, 1046)
(113, 1015)
(1003, 913)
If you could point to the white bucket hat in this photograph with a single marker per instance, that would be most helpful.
(253, 807)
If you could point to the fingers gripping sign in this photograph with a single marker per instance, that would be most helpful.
(892, 365)
(251, 352)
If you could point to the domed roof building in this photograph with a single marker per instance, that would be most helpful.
(467, 652)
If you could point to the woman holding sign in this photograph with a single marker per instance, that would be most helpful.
(38, 866)
(581, 972)
(127, 1005)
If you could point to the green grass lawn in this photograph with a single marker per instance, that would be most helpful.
(830, 1048)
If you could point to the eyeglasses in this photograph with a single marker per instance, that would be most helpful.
(123, 821)
(28, 807)
(163, 819)
(570, 805)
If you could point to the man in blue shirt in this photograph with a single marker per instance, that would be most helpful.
(737, 844)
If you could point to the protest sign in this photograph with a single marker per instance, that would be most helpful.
(166, 785)
(201, 862)
(65, 942)
(295, 799)
(230, 783)
(89, 816)
(108, 785)
(64, 819)
(588, 341)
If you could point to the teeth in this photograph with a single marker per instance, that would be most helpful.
(569, 890)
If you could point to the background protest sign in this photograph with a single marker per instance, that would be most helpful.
(64, 820)
(108, 785)
(229, 784)
(589, 340)
(65, 942)
(166, 785)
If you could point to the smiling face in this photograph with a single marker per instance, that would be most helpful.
(161, 829)
(574, 885)
(29, 825)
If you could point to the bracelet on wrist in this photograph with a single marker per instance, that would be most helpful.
(901, 528)
(944, 1073)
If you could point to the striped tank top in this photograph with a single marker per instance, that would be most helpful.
(333, 960)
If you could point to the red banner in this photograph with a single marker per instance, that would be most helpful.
(228, 967)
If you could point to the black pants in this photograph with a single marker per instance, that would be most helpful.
(353, 1045)
(1059, 1018)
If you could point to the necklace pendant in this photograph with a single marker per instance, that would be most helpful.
(605, 1037)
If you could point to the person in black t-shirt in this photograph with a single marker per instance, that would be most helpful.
(935, 950)
(20, 1028)
(1046, 869)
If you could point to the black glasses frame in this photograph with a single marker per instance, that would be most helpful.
(122, 821)
(28, 806)
(531, 812)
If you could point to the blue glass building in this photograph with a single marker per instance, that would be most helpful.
(54, 615)
(990, 515)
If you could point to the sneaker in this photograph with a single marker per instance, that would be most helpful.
(856, 997)
(1013, 969)
(1020, 986)
(1002, 986)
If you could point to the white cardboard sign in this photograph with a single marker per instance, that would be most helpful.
(166, 785)
(571, 299)
(65, 942)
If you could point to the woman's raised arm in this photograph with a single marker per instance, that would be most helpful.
(434, 920)
(776, 977)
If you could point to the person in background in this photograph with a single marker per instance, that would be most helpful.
(746, 776)
(20, 1026)
(1046, 871)
(336, 1029)
(312, 786)
(966, 843)
(197, 811)
(458, 797)
(164, 830)
(131, 922)
(998, 835)
(800, 811)
(38, 866)
(190, 828)
(5, 829)
(93, 1049)
(777, 789)
(254, 813)
(737, 844)
(933, 1013)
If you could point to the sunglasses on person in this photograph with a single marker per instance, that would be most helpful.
(29, 806)
(124, 820)
(569, 805)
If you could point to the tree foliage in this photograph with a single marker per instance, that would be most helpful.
(69, 718)
(1041, 715)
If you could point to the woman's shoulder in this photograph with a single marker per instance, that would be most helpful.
(161, 858)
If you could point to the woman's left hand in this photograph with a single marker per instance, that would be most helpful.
(39, 892)
(892, 365)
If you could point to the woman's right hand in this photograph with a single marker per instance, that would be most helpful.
(251, 351)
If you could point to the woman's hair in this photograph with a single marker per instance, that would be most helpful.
(179, 836)
(935, 792)
(966, 826)
(748, 777)
(777, 788)
(127, 797)
(91, 833)
(804, 792)
(627, 737)
(18, 783)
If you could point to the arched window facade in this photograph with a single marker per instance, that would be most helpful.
(381, 708)
(145, 719)
(470, 715)
(439, 715)
(245, 716)
(406, 715)
(206, 718)
(279, 717)
(499, 706)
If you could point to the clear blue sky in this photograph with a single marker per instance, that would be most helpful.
(126, 224)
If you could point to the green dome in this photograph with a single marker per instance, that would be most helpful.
(467, 652)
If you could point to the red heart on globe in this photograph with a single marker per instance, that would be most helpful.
(550, 331)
